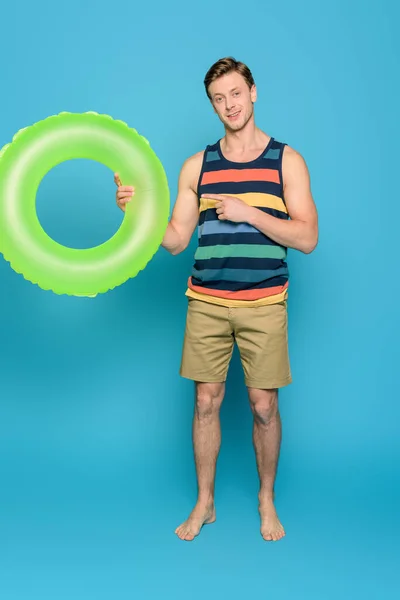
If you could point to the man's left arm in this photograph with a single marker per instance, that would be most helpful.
(301, 231)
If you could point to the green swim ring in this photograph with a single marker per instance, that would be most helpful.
(80, 272)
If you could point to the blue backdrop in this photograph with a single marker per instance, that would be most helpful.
(95, 423)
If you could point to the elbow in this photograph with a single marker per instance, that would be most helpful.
(179, 249)
(309, 248)
(310, 244)
(174, 240)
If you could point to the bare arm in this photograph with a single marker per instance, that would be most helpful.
(301, 231)
(185, 214)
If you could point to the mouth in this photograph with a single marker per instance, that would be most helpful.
(234, 116)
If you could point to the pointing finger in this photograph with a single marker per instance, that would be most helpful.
(219, 197)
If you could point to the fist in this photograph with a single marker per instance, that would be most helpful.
(124, 193)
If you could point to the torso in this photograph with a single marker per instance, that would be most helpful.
(236, 261)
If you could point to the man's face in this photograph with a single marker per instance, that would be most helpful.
(232, 100)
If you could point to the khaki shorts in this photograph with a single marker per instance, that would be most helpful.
(261, 334)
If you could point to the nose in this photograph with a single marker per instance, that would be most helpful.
(229, 104)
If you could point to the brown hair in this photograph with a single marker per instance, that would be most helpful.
(224, 66)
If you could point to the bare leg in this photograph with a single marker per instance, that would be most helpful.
(267, 433)
(206, 443)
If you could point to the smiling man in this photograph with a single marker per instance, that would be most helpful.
(250, 197)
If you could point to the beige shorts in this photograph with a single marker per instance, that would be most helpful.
(261, 334)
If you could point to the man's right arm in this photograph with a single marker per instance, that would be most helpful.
(185, 214)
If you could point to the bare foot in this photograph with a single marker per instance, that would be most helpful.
(271, 527)
(201, 515)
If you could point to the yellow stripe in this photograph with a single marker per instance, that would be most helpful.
(238, 303)
(252, 199)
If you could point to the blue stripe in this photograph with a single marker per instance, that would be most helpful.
(238, 275)
(272, 153)
(216, 226)
(212, 156)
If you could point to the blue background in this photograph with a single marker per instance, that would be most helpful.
(95, 423)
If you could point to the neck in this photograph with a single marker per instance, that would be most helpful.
(248, 138)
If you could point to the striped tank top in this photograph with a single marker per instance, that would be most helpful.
(235, 264)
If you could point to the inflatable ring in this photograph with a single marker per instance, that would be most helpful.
(23, 242)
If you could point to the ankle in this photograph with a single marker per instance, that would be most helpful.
(205, 499)
(266, 496)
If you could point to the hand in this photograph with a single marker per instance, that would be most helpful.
(230, 208)
(124, 193)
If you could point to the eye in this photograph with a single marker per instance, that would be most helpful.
(236, 93)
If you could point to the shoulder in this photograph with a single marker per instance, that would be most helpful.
(195, 160)
(293, 164)
(290, 156)
(193, 164)
(191, 169)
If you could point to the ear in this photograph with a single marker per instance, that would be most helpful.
(253, 93)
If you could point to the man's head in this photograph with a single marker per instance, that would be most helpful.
(231, 89)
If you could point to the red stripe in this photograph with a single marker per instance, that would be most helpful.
(241, 295)
(239, 175)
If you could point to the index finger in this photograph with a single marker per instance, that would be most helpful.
(117, 179)
(216, 197)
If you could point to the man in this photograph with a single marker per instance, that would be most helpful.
(250, 197)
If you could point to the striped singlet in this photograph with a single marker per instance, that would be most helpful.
(235, 264)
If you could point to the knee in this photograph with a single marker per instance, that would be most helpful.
(209, 397)
(264, 405)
